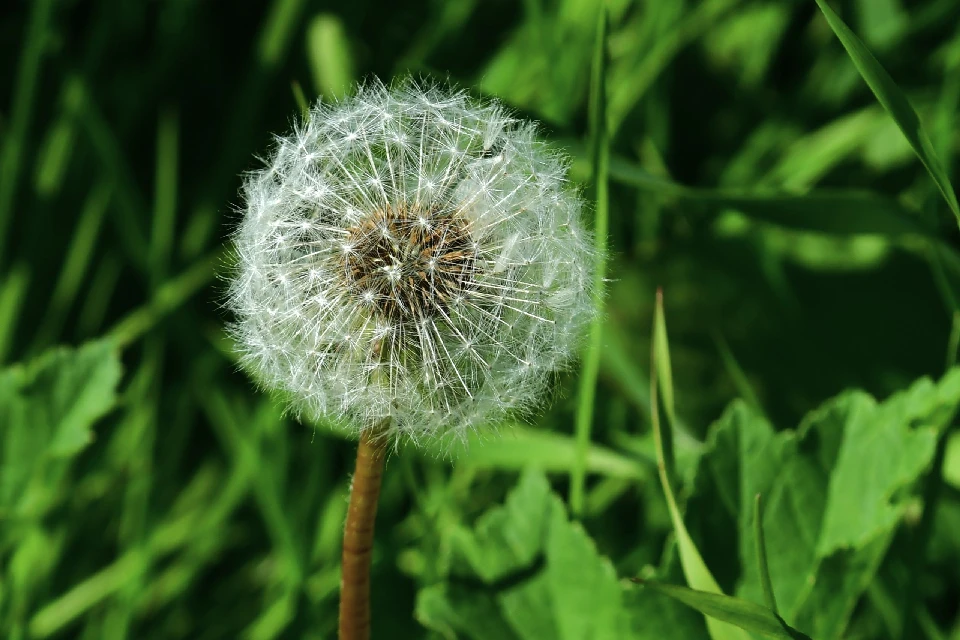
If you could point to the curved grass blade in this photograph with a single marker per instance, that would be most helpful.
(893, 100)
(954, 342)
(745, 615)
(832, 211)
(694, 568)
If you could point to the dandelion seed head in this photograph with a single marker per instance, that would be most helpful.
(411, 256)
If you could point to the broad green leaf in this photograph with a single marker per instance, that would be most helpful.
(524, 571)
(583, 586)
(834, 493)
(47, 411)
(457, 612)
(747, 615)
(885, 447)
(506, 537)
(895, 102)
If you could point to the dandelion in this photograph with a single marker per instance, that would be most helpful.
(412, 264)
(413, 261)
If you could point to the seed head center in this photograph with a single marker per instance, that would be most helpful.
(409, 263)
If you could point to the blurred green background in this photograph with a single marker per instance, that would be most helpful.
(801, 247)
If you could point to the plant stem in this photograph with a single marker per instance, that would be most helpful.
(358, 538)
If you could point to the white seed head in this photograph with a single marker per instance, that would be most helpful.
(413, 257)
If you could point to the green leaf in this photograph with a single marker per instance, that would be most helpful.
(885, 447)
(835, 491)
(47, 411)
(747, 615)
(525, 572)
(895, 102)
(453, 611)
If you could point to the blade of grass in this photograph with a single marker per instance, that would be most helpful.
(85, 595)
(631, 379)
(140, 432)
(833, 211)
(661, 376)
(281, 22)
(75, 265)
(740, 380)
(167, 298)
(661, 346)
(632, 84)
(600, 143)
(103, 282)
(277, 28)
(893, 100)
(328, 52)
(743, 614)
(22, 110)
(58, 145)
(200, 226)
(885, 608)
(190, 529)
(12, 294)
(301, 99)
(132, 209)
(694, 569)
(244, 450)
(164, 196)
(929, 625)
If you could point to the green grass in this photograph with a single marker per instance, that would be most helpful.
(784, 171)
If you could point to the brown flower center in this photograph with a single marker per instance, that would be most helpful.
(408, 262)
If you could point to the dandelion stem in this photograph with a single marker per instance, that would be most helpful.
(358, 538)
